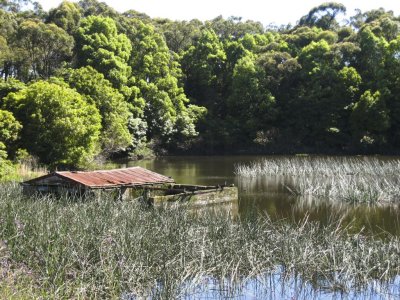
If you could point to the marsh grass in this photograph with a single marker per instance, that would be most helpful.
(352, 180)
(99, 248)
(320, 166)
(22, 171)
(350, 189)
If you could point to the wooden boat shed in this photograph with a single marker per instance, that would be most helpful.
(81, 183)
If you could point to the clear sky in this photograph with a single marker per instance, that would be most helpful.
(265, 11)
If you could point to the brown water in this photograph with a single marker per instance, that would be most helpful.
(269, 194)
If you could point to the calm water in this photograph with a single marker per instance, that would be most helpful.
(277, 286)
(269, 194)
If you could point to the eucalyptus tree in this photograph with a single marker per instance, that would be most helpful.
(180, 35)
(8, 54)
(14, 5)
(66, 16)
(323, 16)
(45, 46)
(233, 28)
(384, 22)
(4, 50)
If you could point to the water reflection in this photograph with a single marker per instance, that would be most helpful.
(275, 285)
(274, 195)
(281, 286)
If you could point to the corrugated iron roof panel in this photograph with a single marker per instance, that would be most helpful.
(111, 178)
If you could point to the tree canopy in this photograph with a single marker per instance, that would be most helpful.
(59, 126)
(114, 111)
(84, 81)
(100, 45)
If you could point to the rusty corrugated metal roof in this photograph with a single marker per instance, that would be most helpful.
(112, 178)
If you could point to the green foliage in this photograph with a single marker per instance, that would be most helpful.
(4, 50)
(251, 105)
(351, 81)
(278, 68)
(9, 132)
(179, 35)
(138, 129)
(59, 126)
(8, 86)
(113, 109)
(323, 16)
(370, 119)
(382, 23)
(314, 56)
(214, 86)
(344, 33)
(233, 28)
(150, 59)
(330, 37)
(203, 65)
(5, 165)
(66, 16)
(371, 58)
(14, 5)
(316, 111)
(9, 128)
(45, 47)
(157, 73)
(8, 23)
(392, 89)
(97, 8)
(302, 37)
(100, 45)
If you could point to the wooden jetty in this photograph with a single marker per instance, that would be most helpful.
(134, 182)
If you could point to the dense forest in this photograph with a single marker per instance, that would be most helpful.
(83, 82)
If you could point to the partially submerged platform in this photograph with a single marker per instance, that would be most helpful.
(196, 194)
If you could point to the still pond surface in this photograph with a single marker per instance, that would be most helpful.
(270, 195)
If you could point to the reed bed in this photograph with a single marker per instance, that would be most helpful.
(368, 190)
(352, 180)
(91, 249)
(22, 171)
(319, 166)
